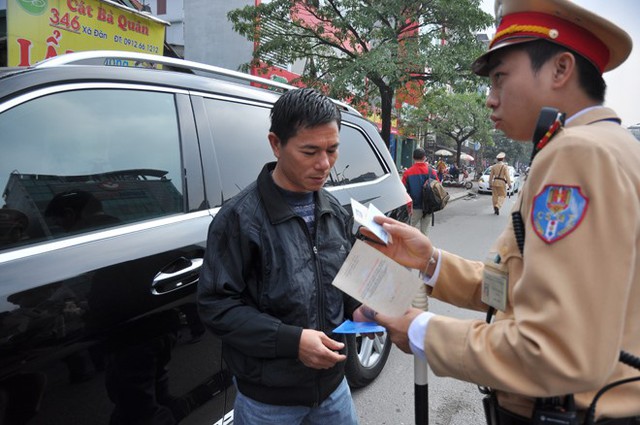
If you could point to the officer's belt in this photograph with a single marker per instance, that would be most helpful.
(500, 178)
(506, 417)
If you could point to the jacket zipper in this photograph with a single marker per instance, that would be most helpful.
(320, 301)
(314, 248)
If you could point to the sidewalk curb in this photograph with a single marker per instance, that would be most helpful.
(458, 193)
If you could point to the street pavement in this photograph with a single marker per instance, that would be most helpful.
(456, 193)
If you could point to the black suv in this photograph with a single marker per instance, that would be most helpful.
(112, 170)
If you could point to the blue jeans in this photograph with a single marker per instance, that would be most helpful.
(338, 408)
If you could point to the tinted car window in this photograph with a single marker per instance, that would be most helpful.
(243, 149)
(81, 160)
(357, 161)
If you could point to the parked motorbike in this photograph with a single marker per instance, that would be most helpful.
(462, 180)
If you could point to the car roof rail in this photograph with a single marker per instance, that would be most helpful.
(110, 57)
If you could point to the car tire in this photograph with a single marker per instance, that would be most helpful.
(365, 358)
(468, 185)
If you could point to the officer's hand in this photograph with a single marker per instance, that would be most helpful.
(407, 245)
(318, 351)
(398, 327)
(366, 314)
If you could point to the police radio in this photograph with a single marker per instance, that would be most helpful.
(549, 122)
(555, 411)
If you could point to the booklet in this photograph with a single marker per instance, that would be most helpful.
(349, 327)
(377, 281)
(364, 216)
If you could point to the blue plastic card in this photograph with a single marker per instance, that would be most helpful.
(349, 327)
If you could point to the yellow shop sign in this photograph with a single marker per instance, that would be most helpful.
(41, 29)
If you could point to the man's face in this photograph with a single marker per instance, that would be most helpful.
(517, 93)
(305, 161)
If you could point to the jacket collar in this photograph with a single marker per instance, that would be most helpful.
(277, 208)
(421, 164)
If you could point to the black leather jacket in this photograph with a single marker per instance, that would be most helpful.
(264, 280)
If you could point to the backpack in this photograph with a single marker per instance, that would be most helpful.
(434, 196)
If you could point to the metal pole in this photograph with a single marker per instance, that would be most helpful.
(421, 369)
(421, 389)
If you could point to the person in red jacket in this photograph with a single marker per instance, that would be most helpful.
(413, 180)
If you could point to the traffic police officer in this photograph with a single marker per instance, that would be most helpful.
(567, 289)
(499, 181)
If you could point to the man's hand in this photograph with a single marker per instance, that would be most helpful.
(407, 245)
(318, 351)
(398, 327)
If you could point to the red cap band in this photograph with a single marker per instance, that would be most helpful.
(557, 30)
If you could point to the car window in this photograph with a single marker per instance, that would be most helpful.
(242, 150)
(240, 139)
(82, 160)
(357, 161)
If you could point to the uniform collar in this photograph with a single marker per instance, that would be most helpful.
(592, 114)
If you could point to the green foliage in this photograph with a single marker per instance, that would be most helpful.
(459, 117)
(516, 151)
(368, 49)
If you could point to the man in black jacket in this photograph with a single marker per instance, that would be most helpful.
(265, 286)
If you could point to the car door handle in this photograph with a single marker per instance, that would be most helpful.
(170, 279)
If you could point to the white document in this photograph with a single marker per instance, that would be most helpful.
(377, 281)
(364, 216)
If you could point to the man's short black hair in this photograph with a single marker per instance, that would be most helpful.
(301, 108)
(590, 79)
(419, 153)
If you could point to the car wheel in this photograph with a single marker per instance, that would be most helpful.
(365, 358)
(468, 185)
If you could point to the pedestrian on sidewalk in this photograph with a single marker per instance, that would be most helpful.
(499, 181)
(441, 167)
(413, 180)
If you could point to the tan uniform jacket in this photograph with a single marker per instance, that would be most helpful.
(500, 170)
(572, 304)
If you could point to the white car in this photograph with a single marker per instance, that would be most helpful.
(483, 182)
